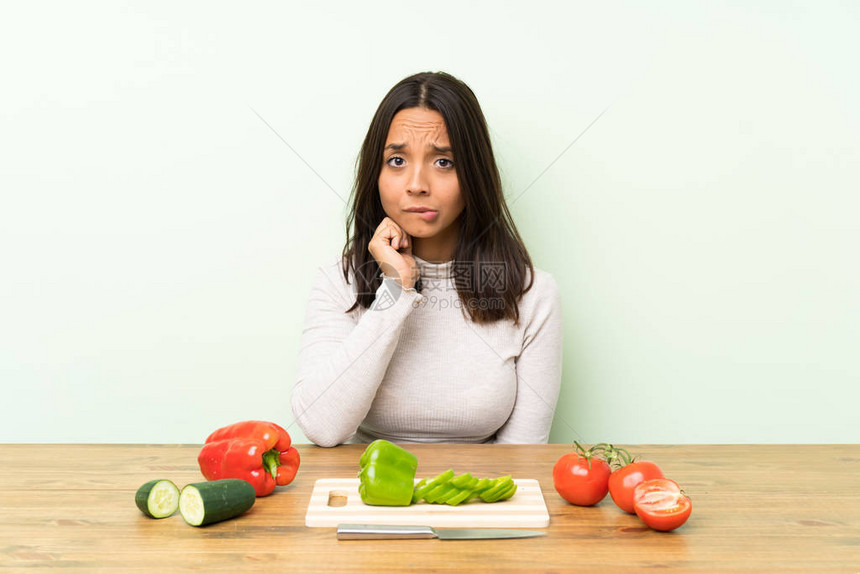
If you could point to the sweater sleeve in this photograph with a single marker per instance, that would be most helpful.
(342, 362)
(538, 371)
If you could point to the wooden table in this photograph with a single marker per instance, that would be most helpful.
(756, 508)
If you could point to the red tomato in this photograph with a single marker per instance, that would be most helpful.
(661, 505)
(623, 481)
(581, 480)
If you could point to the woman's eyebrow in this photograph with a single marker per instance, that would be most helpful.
(400, 146)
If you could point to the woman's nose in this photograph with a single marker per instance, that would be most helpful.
(417, 181)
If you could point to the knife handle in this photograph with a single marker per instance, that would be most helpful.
(379, 531)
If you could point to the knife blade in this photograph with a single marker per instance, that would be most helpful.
(380, 531)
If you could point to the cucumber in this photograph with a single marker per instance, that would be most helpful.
(203, 503)
(157, 498)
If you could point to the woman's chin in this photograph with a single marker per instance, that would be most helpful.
(418, 233)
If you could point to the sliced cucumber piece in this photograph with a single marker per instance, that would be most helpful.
(157, 498)
(203, 503)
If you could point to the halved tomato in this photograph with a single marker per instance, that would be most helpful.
(661, 504)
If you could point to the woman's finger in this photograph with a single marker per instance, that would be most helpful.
(393, 233)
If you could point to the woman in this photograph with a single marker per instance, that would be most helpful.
(433, 326)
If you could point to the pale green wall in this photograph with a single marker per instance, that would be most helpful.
(158, 240)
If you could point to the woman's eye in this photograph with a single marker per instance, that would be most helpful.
(448, 163)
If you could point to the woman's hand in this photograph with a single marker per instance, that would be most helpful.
(392, 249)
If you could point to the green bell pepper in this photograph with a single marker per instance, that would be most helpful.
(387, 474)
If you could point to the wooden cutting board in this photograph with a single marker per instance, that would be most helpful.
(526, 509)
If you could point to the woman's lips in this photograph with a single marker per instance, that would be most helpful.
(426, 215)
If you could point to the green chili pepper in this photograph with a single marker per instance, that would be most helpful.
(387, 474)
(453, 490)
(387, 478)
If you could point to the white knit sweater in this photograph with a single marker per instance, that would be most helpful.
(412, 368)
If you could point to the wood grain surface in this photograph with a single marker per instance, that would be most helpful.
(526, 509)
(756, 508)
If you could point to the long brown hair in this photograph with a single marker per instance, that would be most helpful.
(488, 243)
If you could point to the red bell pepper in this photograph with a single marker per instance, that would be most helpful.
(256, 451)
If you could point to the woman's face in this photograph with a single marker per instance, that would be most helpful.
(418, 171)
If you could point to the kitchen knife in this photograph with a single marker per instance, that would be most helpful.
(378, 531)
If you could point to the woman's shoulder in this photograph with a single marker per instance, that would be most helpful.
(329, 277)
(544, 284)
(331, 266)
(543, 297)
